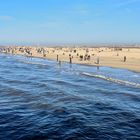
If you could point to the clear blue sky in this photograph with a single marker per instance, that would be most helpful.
(69, 21)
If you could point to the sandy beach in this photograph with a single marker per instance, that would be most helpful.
(126, 58)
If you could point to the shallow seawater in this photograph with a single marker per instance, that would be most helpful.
(42, 100)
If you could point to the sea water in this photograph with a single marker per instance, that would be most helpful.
(40, 99)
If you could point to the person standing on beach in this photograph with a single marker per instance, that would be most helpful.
(98, 60)
(124, 59)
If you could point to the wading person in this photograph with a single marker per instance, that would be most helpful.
(57, 58)
(59, 63)
(70, 60)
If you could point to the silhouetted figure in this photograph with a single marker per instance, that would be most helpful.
(85, 58)
(98, 60)
(81, 57)
(59, 63)
(88, 58)
(57, 58)
(124, 58)
(70, 60)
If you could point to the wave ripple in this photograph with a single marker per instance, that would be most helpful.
(41, 100)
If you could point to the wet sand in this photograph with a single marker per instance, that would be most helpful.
(126, 58)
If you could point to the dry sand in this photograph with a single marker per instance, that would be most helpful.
(111, 57)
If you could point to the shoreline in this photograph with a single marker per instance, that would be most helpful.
(84, 64)
(108, 57)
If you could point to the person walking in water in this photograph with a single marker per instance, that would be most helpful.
(70, 60)
(59, 63)
(57, 57)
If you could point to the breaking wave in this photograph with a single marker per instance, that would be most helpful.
(118, 81)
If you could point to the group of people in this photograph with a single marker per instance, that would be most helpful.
(28, 51)
(85, 57)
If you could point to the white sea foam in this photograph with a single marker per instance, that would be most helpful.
(135, 76)
(33, 63)
(112, 79)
